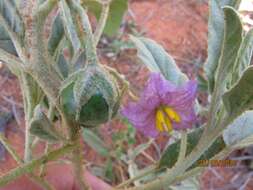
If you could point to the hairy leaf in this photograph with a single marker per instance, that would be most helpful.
(62, 66)
(42, 127)
(170, 155)
(240, 132)
(232, 41)
(239, 98)
(57, 34)
(12, 20)
(6, 43)
(116, 12)
(244, 55)
(11, 16)
(95, 142)
(69, 25)
(216, 25)
(157, 60)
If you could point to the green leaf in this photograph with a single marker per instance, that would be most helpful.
(232, 41)
(244, 55)
(69, 25)
(56, 35)
(34, 90)
(240, 133)
(11, 16)
(239, 98)
(6, 43)
(42, 127)
(116, 13)
(170, 155)
(216, 27)
(157, 60)
(95, 142)
(62, 66)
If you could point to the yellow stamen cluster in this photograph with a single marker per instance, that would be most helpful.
(164, 117)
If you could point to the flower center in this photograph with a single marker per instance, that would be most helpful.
(165, 115)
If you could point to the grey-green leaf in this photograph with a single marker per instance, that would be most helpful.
(69, 25)
(158, 60)
(216, 36)
(239, 98)
(56, 35)
(42, 127)
(170, 155)
(244, 56)
(95, 142)
(240, 130)
(115, 15)
(62, 66)
(5, 42)
(11, 16)
(232, 41)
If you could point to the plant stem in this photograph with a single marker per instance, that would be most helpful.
(28, 115)
(78, 166)
(143, 174)
(28, 167)
(203, 144)
(77, 161)
(183, 147)
(102, 22)
(8, 147)
(15, 156)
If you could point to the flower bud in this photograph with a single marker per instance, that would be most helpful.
(91, 96)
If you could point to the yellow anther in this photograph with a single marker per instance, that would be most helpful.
(173, 115)
(168, 124)
(159, 120)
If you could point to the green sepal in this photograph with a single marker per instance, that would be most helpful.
(96, 95)
(90, 96)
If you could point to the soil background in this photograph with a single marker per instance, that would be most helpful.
(181, 28)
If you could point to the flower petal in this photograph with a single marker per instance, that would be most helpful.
(188, 118)
(150, 97)
(183, 97)
(149, 129)
(136, 114)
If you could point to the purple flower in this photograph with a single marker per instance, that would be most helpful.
(163, 106)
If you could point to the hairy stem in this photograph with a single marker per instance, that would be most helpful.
(29, 167)
(77, 160)
(48, 147)
(183, 148)
(102, 22)
(44, 184)
(11, 151)
(78, 165)
(41, 67)
(91, 53)
(129, 181)
(28, 115)
(178, 170)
